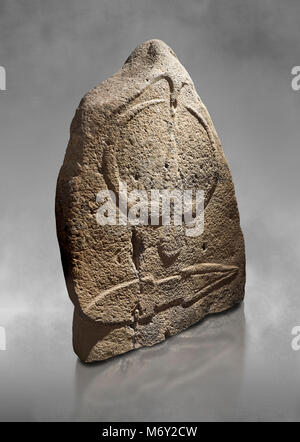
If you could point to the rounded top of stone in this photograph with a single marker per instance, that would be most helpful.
(150, 51)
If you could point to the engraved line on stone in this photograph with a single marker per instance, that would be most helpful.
(218, 283)
(111, 290)
(134, 110)
(110, 170)
(195, 270)
(152, 280)
(199, 270)
(207, 267)
(166, 77)
(203, 122)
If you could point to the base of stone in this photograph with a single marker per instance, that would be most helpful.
(96, 342)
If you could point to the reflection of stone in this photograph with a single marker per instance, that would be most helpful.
(193, 376)
(135, 286)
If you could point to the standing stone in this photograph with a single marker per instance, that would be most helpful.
(134, 286)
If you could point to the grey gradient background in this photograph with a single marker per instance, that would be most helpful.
(234, 366)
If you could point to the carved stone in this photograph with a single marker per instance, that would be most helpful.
(134, 286)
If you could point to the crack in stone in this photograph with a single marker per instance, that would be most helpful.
(137, 251)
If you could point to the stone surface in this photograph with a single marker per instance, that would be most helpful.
(135, 286)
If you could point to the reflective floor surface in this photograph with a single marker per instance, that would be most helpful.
(238, 365)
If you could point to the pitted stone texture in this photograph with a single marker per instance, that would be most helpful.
(134, 286)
